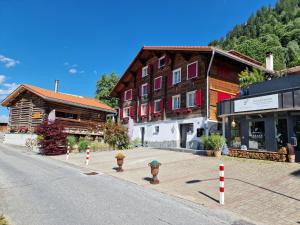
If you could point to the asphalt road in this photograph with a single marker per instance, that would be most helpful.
(38, 190)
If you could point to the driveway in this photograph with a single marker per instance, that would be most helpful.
(263, 191)
(37, 190)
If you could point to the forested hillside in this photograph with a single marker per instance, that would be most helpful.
(275, 29)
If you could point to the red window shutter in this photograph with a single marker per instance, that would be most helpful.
(166, 60)
(131, 111)
(121, 113)
(149, 69)
(148, 88)
(140, 111)
(152, 108)
(162, 105)
(157, 83)
(223, 96)
(170, 79)
(170, 103)
(192, 70)
(147, 109)
(139, 74)
(198, 98)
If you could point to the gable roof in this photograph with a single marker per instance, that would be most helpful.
(234, 55)
(52, 96)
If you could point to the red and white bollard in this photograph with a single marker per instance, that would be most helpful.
(68, 151)
(87, 156)
(221, 168)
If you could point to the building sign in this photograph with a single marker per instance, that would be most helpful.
(256, 103)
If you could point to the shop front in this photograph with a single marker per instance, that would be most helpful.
(263, 121)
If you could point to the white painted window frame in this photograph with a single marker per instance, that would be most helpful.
(155, 101)
(125, 95)
(142, 92)
(124, 110)
(145, 68)
(160, 77)
(187, 99)
(143, 113)
(173, 97)
(159, 60)
(173, 75)
(187, 70)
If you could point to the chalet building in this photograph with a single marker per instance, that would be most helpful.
(30, 105)
(171, 93)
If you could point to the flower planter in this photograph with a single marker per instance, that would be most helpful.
(291, 158)
(154, 165)
(120, 162)
(217, 153)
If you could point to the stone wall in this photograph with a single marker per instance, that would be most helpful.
(264, 155)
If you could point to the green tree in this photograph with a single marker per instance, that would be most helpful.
(247, 77)
(103, 88)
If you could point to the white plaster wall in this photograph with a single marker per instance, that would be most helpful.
(169, 130)
(17, 139)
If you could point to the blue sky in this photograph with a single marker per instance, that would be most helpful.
(77, 41)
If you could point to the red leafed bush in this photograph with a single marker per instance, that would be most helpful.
(53, 138)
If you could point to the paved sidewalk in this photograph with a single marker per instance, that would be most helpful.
(262, 191)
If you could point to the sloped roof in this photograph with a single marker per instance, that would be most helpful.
(234, 55)
(59, 97)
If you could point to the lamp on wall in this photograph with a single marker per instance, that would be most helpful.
(233, 123)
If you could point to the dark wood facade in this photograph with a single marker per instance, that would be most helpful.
(223, 83)
(28, 110)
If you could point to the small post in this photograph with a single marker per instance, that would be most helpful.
(87, 156)
(221, 171)
(68, 151)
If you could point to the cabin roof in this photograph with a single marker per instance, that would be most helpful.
(59, 97)
(234, 55)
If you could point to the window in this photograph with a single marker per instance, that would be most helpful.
(66, 115)
(176, 76)
(156, 129)
(257, 135)
(128, 95)
(192, 70)
(126, 112)
(145, 89)
(157, 83)
(145, 71)
(190, 99)
(161, 61)
(176, 102)
(157, 106)
(143, 109)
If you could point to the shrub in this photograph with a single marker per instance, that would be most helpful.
(213, 142)
(71, 140)
(53, 138)
(83, 144)
(116, 136)
(3, 221)
(99, 146)
(120, 155)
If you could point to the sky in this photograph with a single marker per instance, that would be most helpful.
(78, 41)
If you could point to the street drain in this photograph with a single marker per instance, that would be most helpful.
(91, 173)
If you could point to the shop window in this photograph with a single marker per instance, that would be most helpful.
(281, 133)
(235, 134)
(257, 135)
(156, 129)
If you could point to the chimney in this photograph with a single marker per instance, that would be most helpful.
(269, 61)
(56, 86)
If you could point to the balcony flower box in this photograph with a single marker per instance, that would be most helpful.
(158, 114)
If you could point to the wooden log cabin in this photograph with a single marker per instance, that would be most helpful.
(30, 105)
(171, 92)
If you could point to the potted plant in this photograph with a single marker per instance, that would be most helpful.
(291, 153)
(120, 160)
(214, 143)
(154, 171)
(282, 152)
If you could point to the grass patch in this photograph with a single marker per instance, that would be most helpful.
(3, 221)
